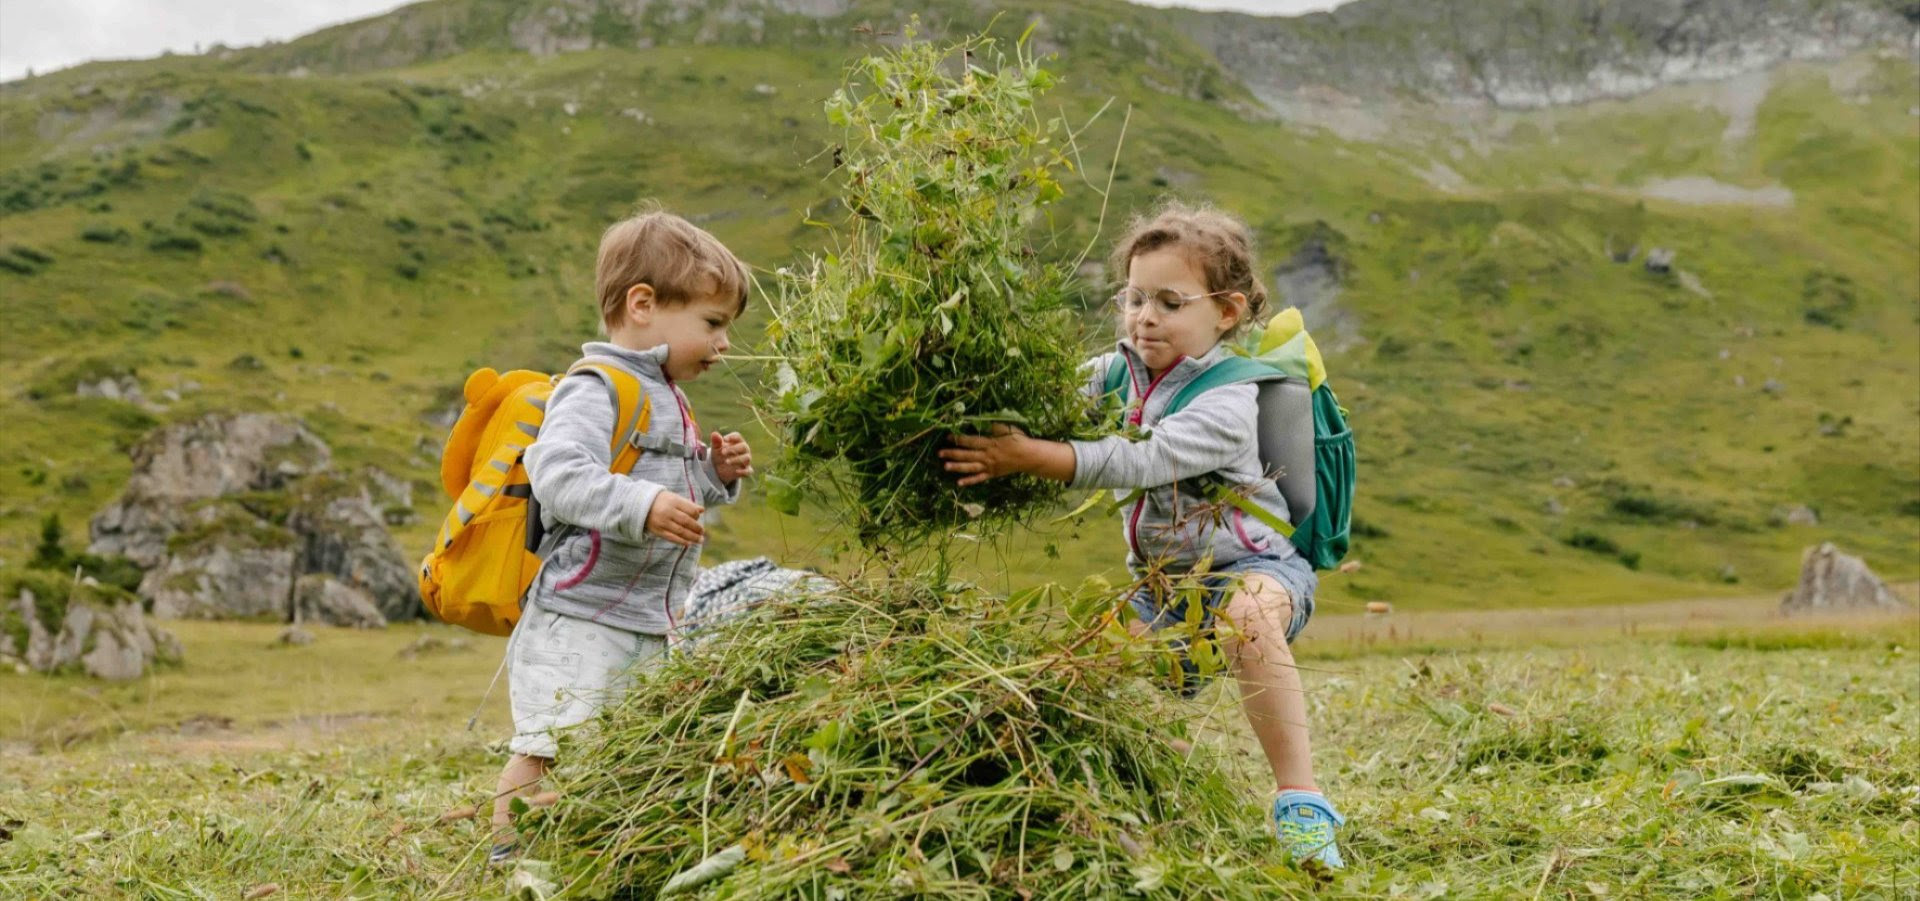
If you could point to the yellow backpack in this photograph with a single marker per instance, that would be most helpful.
(482, 561)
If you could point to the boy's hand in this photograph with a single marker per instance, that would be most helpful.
(732, 458)
(676, 519)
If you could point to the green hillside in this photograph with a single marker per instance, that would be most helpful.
(342, 227)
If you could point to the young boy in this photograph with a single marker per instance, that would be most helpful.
(621, 551)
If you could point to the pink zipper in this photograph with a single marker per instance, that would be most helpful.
(1139, 413)
(690, 433)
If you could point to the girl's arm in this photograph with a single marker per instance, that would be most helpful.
(1008, 450)
(1204, 437)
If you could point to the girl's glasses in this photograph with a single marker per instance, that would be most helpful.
(1167, 300)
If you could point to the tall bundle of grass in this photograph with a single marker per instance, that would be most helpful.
(935, 313)
(886, 740)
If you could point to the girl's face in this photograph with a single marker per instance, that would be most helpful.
(1166, 311)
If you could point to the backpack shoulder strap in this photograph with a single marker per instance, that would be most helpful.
(633, 410)
(1233, 370)
(1116, 377)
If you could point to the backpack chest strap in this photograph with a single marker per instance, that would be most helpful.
(664, 445)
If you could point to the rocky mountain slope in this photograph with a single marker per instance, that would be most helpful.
(340, 227)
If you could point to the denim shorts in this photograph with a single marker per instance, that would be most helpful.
(1159, 611)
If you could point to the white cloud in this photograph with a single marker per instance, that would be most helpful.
(43, 35)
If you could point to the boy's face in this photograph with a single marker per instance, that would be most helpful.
(1166, 312)
(695, 333)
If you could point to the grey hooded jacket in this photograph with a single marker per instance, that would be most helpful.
(1174, 524)
(600, 561)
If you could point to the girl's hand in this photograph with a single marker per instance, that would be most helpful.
(732, 458)
(1007, 450)
(981, 457)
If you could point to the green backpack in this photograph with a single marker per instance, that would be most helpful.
(1317, 477)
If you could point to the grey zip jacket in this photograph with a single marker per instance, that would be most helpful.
(600, 562)
(1174, 524)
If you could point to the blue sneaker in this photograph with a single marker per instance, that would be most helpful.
(1305, 822)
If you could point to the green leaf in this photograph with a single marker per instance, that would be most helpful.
(827, 736)
(1226, 494)
(782, 495)
(1148, 876)
(1206, 656)
(718, 864)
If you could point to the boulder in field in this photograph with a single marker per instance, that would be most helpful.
(227, 512)
(228, 566)
(52, 625)
(215, 456)
(341, 533)
(1831, 580)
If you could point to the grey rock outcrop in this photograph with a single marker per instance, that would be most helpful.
(217, 455)
(1831, 580)
(101, 631)
(319, 597)
(227, 513)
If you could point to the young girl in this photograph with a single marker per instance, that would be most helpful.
(1190, 283)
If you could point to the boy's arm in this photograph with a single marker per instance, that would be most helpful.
(1207, 435)
(568, 465)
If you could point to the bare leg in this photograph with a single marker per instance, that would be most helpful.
(1270, 689)
(518, 779)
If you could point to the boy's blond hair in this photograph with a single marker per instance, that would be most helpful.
(1217, 244)
(681, 261)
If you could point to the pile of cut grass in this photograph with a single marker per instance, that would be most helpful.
(883, 738)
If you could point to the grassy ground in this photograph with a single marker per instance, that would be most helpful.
(1726, 753)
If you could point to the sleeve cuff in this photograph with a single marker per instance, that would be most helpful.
(1083, 455)
(717, 492)
(642, 507)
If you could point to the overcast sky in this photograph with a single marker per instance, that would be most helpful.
(43, 35)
